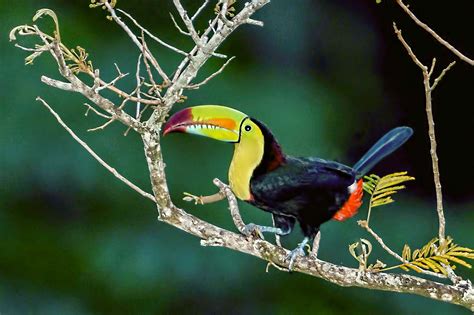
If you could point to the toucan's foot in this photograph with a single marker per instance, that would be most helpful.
(192, 198)
(297, 252)
(253, 229)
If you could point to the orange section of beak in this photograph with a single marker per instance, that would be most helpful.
(226, 123)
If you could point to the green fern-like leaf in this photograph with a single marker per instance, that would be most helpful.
(435, 257)
(381, 189)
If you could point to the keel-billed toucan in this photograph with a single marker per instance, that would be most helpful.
(309, 190)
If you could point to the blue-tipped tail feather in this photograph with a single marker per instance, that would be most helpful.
(391, 141)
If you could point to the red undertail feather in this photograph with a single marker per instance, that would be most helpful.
(350, 207)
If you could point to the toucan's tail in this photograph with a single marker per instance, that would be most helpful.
(391, 141)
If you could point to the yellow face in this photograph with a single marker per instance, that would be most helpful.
(248, 153)
(229, 125)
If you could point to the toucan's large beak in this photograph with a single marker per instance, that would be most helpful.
(212, 121)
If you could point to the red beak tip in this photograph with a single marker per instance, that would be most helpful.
(167, 131)
(174, 123)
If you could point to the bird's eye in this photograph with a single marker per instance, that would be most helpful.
(248, 128)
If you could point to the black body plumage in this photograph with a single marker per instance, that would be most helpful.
(310, 190)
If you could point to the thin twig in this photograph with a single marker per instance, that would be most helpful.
(135, 40)
(254, 22)
(434, 34)
(222, 15)
(187, 21)
(139, 83)
(103, 126)
(154, 37)
(155, 87)
(433, 63)
(382, 244)
(364, 224)
(212, 76)
(277, 237)
(440, 77)
(431, 129)
(233, 206)
(94, 155)
(199, 41)
(408, 48)
(178, 27)
(65, 86)
(271, 263)
(183, 64)
(315, 247)
(434, 158)
(103, 86)
(89, 107)
(199, 10)
(79, 86)
(100, 84)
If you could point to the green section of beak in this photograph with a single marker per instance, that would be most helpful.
(212, 121)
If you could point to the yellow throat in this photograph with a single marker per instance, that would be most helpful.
(248, 153)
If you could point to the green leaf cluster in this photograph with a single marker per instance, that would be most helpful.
(381, 189)
(436, 256)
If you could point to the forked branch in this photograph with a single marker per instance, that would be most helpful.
(429, 87)
(434, 34)
(95, 155)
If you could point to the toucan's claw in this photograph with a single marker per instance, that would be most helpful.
(253, 229)
(192, 198)
(297, 252)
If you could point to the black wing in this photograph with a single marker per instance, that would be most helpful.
(303, 186)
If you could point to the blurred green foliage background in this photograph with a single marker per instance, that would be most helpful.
(328, 77)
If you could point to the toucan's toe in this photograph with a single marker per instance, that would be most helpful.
(253, 229)
(295, 253)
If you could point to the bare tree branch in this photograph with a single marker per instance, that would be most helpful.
(199, 58)
(460, 294)
(187, 21)
(434, 34)
(431, 129)
(103, 126)
(364, 224)
(198, 11)
(78, 86)
(212, 76)
(233, 206)
(219, 29)
(94, 155)
(135, 40)
(154, 37)
(178, 27)
(89, 107)
(438, 79)
(316, 241)
(139, 82)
